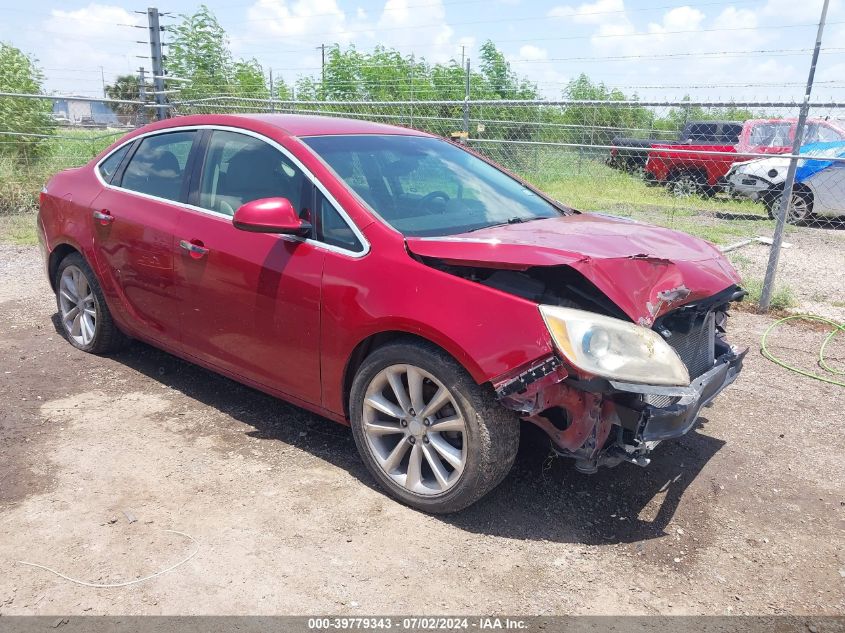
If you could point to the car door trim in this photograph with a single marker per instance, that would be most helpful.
(229, 128)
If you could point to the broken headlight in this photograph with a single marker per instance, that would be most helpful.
(612, 348)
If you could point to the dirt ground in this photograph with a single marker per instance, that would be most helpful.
(811, 267)
(743, 515)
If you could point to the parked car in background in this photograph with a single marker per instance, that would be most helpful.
(631, 154)
(396, 282)
(819, 182)
(698, 169)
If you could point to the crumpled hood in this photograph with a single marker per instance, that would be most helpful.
(645, 270)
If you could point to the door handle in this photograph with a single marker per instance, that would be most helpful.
(104, 217)
(194, 247)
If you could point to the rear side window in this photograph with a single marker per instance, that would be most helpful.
(158, 166)
(110, 164)
(730, 133)
(702, 132)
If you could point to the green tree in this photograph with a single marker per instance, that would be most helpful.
(597, 124)
(501, 81)
(199, 52)
(20, 74)
(127, 88)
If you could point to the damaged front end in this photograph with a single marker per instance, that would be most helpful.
(636, 314)
(602, 421)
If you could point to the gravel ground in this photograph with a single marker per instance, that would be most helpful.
(743, 515)
(812, 268)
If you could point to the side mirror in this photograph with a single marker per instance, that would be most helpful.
(270, 215)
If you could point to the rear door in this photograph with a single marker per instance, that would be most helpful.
(134, 219)
(249, 303)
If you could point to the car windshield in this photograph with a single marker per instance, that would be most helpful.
(424, 186)
(771, 134)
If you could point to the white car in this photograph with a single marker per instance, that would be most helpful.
(819, 182)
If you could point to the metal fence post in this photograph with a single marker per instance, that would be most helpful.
(142, 96)
(466, 105)
(786, 197)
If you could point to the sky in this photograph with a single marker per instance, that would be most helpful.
(712, 49)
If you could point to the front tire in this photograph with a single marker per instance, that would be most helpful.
(800, 208)
(84, 315)
(431, 437)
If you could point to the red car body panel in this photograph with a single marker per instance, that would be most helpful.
(716, 160)
(252, 304)
(629, 262)
(286, 315)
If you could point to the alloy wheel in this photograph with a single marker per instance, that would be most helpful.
(799, 208)
(415, 430)
(78, 306)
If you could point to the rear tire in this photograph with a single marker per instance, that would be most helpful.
(86, 321)
(430, 470)
(687, 184)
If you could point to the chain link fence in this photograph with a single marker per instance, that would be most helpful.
(715, 169)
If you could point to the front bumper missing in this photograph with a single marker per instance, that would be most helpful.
(654, 424)
(596, 409)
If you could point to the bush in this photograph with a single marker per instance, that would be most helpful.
(19, 74)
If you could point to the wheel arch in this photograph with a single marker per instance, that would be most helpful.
(376, 340)
(59, 253)
(772, 193)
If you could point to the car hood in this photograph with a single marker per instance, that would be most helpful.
(645, 270)
(761, 167)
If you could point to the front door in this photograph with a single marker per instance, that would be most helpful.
(249, 302)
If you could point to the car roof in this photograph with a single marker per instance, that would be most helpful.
(291, 124)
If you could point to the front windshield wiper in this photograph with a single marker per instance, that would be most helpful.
(514, 220)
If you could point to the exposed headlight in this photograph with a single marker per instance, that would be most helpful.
(773, 173)
(613, 348)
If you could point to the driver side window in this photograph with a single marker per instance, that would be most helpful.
(239, 168)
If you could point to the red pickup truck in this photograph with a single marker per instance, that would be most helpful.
(690, 169)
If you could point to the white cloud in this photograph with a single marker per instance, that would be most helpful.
(408, 25)
(609, 15)
(598, 12)
(85, 38)
(280, 18)
(678, 19)
(434, 36)
(529, 52)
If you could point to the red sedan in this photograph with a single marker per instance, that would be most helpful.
(394, 281)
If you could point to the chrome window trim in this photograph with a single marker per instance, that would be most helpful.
(285, 152)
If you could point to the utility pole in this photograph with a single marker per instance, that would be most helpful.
(158, 62)
(272, 96)
(103, 79)
(142, 97)
(322, 49)
(788, 184)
